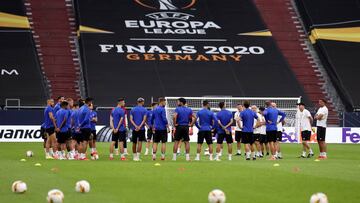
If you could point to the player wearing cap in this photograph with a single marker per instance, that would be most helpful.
(160, 128)
(149, 125)
(206, 120)
(303, 120)
(181, 121)
(138, 119)
(321, 119)
(225, 120)
(238, 128)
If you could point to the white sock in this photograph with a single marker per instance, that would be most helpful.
(111, 155)
(230, 156)
(248, 155)
(197, 155)
(125, 150)
(138, 155)
(324, 153)
(178, 150)
(239, 151)
(211, 156)
(174, 156)
(311, 151)
(304, 153)
(146, 150)
(279, 154)
(187, 156)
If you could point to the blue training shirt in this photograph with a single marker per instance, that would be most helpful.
(93, 114)
(149, 115)
(247, 117)
(224, 116)
(47, 121)
(56, 108)
(75, 119)
(138, 113)
(271, 115)
(68, 121)
(84, 117)
(118, 113)
(183, 115)
(61, 116)
(206, 119)
(159, 118)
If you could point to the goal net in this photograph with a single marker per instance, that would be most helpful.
(286, 104)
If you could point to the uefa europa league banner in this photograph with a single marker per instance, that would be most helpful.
(148, 48)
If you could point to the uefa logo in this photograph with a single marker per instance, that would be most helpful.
(166, 5)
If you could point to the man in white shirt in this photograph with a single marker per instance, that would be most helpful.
(264, 144)
(259, 130)
(321, 119)
(304, 121)
(238, 122)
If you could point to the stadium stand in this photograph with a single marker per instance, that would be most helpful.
(133, 72)
(55, 35)
(280, 17)
(21, 79)
(336, 35)
(110, 48)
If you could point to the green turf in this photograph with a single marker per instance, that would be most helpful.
(184, 182)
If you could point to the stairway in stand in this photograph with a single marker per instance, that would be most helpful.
(282, 21)
(53, 27)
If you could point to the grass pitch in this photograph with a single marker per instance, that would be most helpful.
(295, 180)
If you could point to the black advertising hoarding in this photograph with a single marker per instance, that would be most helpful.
(335, 33)
(20, 72)
(156, 48)
(20, 76)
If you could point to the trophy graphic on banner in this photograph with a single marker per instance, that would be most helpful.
(167, 5)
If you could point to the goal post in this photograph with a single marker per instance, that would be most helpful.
(285, 104)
